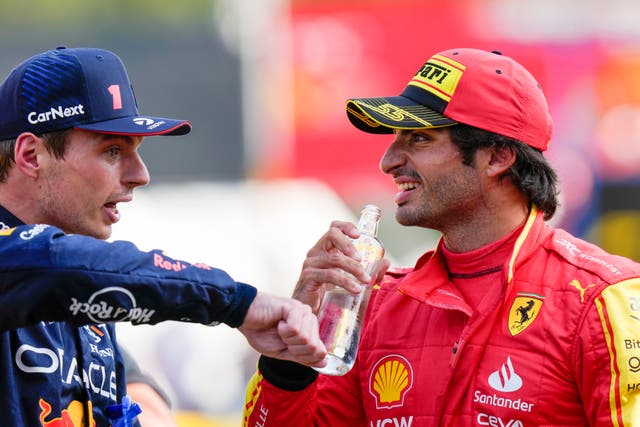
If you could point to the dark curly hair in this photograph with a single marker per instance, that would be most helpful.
(531, 172)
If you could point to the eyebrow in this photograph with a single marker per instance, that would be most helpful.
(128, 138)
(404, 132)
(426, 129)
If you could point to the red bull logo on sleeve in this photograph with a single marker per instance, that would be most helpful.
(71, 416)
(202, 266)
(164, 262)
(167, 264)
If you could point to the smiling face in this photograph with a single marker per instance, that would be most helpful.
(436, 190)
(80, 192)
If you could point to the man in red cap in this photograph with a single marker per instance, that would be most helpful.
(508, 321)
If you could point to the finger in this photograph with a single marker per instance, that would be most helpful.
(337, 238)
(346, 227)
(307, 354)
(293, 319)
(341, 235)
(378, 271)
(299, 329)
(268, 343)
(302, 339)
(313, 280)
(316, 282)
(326, 268)
(299, 326)
(314, 361)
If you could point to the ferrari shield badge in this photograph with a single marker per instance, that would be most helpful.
(523, 312)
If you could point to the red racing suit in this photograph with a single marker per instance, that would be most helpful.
(558, 344)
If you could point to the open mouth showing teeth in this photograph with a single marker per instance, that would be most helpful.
(406, 186)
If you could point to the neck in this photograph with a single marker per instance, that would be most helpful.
(484, 229)
(19, 201)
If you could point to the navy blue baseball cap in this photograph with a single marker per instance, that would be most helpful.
(81, 88)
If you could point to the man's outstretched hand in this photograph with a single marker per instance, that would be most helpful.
(283, 328)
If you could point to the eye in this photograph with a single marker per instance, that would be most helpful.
(114, 151)
(421, 137)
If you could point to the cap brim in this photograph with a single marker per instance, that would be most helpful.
(139, 126)
(383, 115)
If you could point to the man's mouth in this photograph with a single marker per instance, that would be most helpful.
(112, 212)
(405, 188)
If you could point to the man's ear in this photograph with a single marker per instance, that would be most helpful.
(27, 148)
(500, 160)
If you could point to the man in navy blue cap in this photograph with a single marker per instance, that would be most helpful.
(78, 100)
(69, 137)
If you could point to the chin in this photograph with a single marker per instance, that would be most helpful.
(403, 219)
(404, 216)
(101, 233)
(409, 217)
(105, 235)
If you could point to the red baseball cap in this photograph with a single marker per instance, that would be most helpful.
(482, 89)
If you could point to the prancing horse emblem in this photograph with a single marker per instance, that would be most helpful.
(523, 312)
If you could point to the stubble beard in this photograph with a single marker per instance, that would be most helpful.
(59, 211)
(419, 216)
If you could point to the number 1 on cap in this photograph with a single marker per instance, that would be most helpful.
(114, 90)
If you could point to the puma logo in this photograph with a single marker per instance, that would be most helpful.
(576, 284)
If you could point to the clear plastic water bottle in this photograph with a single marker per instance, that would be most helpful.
(341, 313)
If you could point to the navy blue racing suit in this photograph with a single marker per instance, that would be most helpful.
(59, 297)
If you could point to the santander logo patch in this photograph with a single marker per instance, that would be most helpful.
(505, 379)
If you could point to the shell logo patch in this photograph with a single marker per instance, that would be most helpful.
(391, 378)
(523, 312)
